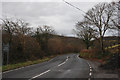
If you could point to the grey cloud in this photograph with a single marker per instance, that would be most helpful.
(57, 14)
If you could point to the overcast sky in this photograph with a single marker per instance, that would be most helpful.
(59, 15)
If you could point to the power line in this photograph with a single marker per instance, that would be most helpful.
(74, 6)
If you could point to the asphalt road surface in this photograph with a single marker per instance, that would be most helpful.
(64, 66)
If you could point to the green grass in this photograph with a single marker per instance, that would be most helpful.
(23, 64)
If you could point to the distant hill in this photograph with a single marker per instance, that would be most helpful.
(111, 38)
(72, 40)
(111, 42)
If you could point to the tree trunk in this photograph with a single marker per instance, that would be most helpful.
(102, 44)
(87, 46)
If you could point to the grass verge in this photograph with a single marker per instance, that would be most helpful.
(23, 64)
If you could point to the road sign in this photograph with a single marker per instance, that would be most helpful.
(6, 47)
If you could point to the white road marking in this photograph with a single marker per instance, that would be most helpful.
(90, 73)
(63, 62)
(48, 70)
(90, 69)
(39, 74)
(78, 56)
(66, 59)
(21, 68)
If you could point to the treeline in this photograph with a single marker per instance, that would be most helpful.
(26, 43)
(97, 21)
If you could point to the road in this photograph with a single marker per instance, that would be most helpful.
(64, 66)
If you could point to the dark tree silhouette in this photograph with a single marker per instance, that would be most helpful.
(84, 31)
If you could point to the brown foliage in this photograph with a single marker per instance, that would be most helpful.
(61, 45)
(23, 48)
(87, 51)
(55, 45)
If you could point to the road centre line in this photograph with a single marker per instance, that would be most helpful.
(63, 62)
(18, 68)
(32, 65)
(78, 56)
(48, 70)
(40, 74)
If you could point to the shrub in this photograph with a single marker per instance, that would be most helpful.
(87, 53)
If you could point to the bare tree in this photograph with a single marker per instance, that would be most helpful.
(8, 26)
(45, 29)
(116, 19)
(100, 16)
(22, 27)
(14, 27)
(84, 31)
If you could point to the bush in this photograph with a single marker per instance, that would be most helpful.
(55, 46)
(23, 48)
(87, 53)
